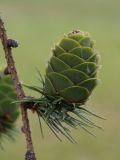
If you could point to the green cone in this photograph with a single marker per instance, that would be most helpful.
(72, 69)
(8, 111)
(71, 76)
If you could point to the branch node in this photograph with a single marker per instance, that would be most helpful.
(12, 43)
(29, 155)
(6, 71)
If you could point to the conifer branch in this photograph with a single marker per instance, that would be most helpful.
(30, 155)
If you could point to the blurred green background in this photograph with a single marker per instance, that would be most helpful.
(38, 25)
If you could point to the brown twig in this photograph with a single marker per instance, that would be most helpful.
(30, 155)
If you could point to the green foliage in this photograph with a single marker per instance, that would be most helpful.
(8, 112)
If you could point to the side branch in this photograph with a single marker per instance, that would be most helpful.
(19, 90)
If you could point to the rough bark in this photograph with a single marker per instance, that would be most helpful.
(30, 155)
